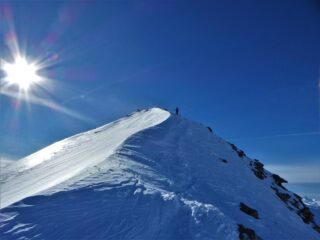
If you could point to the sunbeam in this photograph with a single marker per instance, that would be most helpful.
(25, 77)
(45, 102)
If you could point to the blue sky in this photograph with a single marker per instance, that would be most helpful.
(248, 69)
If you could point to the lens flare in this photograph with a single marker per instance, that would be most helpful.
(27, 79)
(21, 73)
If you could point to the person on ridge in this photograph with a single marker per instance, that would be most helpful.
(177, 111)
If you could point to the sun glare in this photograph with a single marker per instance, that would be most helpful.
(21, 73)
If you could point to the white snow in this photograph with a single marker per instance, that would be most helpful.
(70, 157)
(150, 175)
(5, 162)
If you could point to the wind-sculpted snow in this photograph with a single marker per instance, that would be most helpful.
(71, 157)
(168, 179)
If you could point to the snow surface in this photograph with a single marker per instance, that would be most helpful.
(5, 162)
(150, 175)
(71, 157)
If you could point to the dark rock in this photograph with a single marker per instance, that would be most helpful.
(240, 152)
(247, 233)
(317, 228)
(258, 169)
(234, 148)
(224, 160)
(248, 210)
(210, 129)
(306, 215)
(278, 180)
(283, 196)
(296, 205)
(258, 164)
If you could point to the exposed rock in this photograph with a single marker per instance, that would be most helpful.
(248, 210)
(278, 180)
(224, 160)
(258, 169)
(294, 203)
(306, 215)
(240, 152)
(247, 233)
(317, 228)
(234, 148)
(283, 196)
(210, 129)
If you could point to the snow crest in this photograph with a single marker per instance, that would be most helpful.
(150, 175)
(72, 157)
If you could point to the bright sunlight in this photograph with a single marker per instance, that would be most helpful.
(21, 73)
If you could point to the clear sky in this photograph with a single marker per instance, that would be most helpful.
(249, 69)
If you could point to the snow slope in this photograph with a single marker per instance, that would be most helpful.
(70, 157)
(5, 162)
(150, 175)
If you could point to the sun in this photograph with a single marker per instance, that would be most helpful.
(21, 73)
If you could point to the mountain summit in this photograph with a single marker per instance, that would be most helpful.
(149, 175)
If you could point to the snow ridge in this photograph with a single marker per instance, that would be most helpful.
(71, 157)
(151, 175)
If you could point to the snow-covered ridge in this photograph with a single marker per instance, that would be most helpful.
(71, 157)
(151, 175)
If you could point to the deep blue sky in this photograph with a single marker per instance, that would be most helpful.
(249, 69)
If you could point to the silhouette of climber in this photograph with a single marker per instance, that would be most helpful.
(177, 111)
